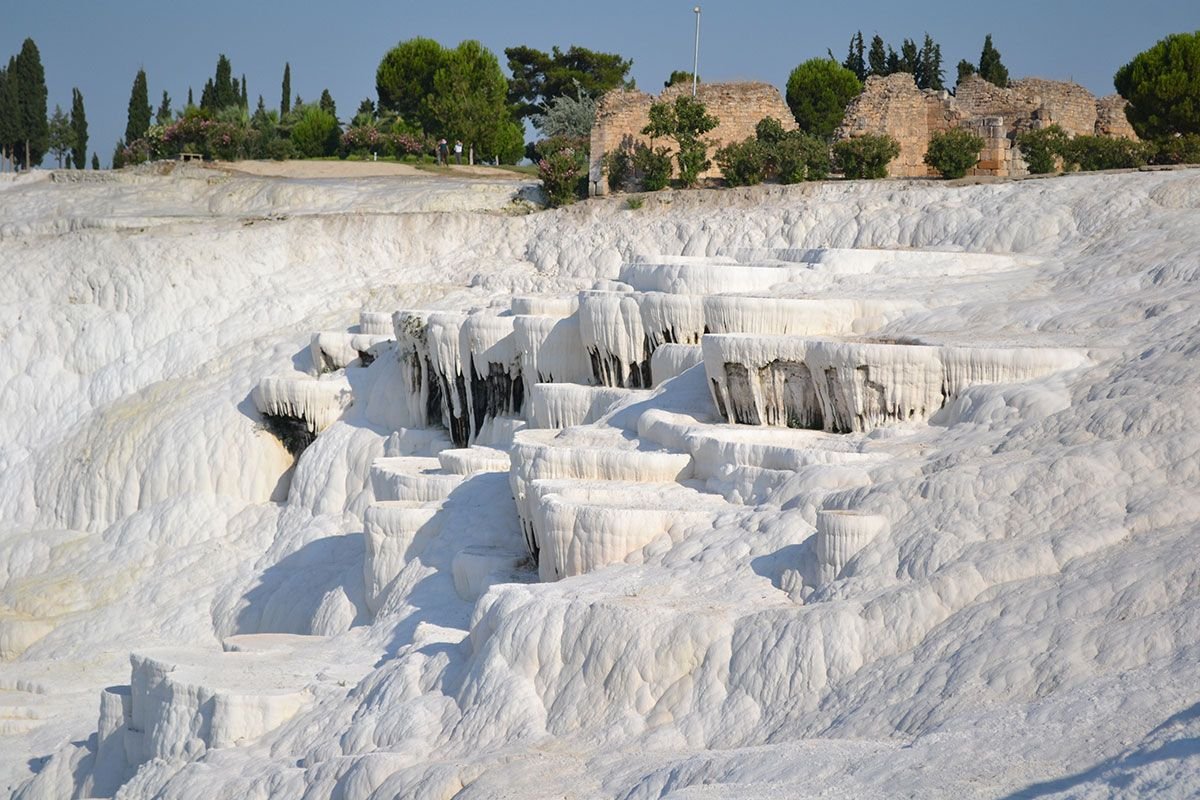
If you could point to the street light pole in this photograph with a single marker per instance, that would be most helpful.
(696, 55)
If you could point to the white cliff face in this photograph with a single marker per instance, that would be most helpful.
(911, 497)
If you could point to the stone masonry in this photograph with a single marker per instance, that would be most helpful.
(621, 115)
(895, 106)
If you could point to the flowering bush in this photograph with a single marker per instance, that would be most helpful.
(562, 168)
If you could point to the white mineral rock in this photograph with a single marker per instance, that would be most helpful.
(841, 534)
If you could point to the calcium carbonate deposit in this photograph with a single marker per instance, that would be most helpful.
(385, 488)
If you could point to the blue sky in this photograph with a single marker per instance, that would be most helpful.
(99, 46)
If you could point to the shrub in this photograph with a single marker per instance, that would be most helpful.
(684, 121)
(800, 157)
(618, 165)
(768, 130)
(1178, 149)
(313, 134)
(743, 163)
(1090, 153)
(563, 170)
(865, 156)
(818, 92)
(362, 140)
(634, 203)
(1040, 147)
(1162, 86)
(953, 152)
(653, 167)
(280, 149)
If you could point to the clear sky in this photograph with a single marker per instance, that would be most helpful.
(98, 45)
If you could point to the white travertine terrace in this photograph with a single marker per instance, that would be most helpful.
(707, 278)
(413, 478)
(376, 323)
(334, 350)
(318, 402)
(395, 532)
(537, 305)
(610, 325)
(551, 350)
(470, 460)
(562, 405)
(841, 534)
(672, 360)
(495, 387)
(790, 316)
(443, 334)
(671, 318)
(478, 567)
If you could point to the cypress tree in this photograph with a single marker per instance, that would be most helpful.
(854, 57)
(79, 130)
(225, 93)
(876, 58)
(893, 62)
(190, 103)
(31, 100)
(326, 103)
(929, 65)
(990, 68)
(908, 57)
(9, 132)
(95, 161)
(208, 96)
(285, 104)
(138, 121)
(245, 98)
(163, 116)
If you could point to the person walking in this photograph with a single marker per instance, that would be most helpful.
(457, 151)
(443, 153)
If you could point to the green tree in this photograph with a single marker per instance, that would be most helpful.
(539, 77)
(865, 156)
(60, 135)
(1162, 86)
(893, 62)
(567, 116)
(244, 99)
(163, 115)
(929, 74)
(855, 61)
(79, 130)
(225, 89)
(469, 102)
(965, 70)
(818, 92)
(34, 130)
(10, 131)
(313, 132)
(990, 68)
(138, 119)
(685, 121)
(95, 161)
(326, 103)
(679, 76)
(404, 80)
(909, 57)
(877, 58)
(285, 102)
(953, 152)
(189, 102)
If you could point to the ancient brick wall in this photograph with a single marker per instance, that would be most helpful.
(621, 115)
(893, 105)
(1111, 119)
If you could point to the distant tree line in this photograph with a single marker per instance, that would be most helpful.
(26, 132)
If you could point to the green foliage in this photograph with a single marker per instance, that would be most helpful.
(684, 121)
(60, 135)
(244, 99)
(313, 134)
(679, 76)
(1183, 149)
(9, 114)
(855, 62)
(138, 118)
(652, 165)
(634, 203)
(953, 152)
(865, 156)
(1162, 86)
(876, 57)
(1040, 147)
(769, 130)
(226, 92)
(928, 72)
(404, 79)
(163, 115)
(567, 116)
(469, 103)
(326, 103)
(285, 101)
(800, 157)
(965, 70)
(79, 130)
(618, 166)
(990, 68)
(95, 161)
(908, 57)
(563, 169)
(743, 163)
(32, 127)
(818, 92)
(539, 77)
(1090, 153)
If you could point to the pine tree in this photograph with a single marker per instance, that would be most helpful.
(990, 68)
(163, 117)
(326, 103)
(138, 120)
(245, 98)
(285, 104)
(34, 130)
(208, 96)
(79, 130)
(876, 58)
(60, 135)
(893, 62)
(95, 161)
(854, 57)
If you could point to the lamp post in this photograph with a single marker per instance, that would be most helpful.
(696, 54)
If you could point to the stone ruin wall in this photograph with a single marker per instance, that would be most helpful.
(895, 106)
(621, 115)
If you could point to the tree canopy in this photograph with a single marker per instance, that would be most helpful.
(538, 77)
(818, 92)
(79, 129)
(29, 81)
(469, 102)
(1162, 86)
(990, 68)
(138, 117)
(404, 80)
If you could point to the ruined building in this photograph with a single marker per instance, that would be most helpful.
(895, 106)
(621, 115)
